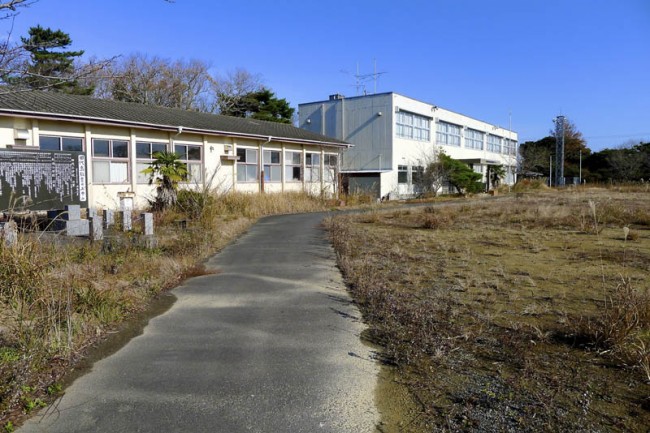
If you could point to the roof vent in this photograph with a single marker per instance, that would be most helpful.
(336, 96)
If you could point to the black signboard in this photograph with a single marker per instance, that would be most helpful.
(41, 180)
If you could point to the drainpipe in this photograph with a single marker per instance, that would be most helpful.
(261, 162)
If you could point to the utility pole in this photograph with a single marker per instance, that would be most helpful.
(559, 151)
(580, 172)
(550, 170)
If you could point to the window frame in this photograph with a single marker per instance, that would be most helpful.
(509, 146)
(112, 161)
(330, 168)
(290, 166)
(271, 175)
(445, 133)
(61, 139)
(312, 171)
(471, 139)
(194, 166)
(141, 163)
(403, 174)
(492, 146)
(247, 166)
(413, 126)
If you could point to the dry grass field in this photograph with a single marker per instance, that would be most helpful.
(529, 312)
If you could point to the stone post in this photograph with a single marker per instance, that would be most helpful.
(9, 232)
(109, 218)
(147, 224)
(96, 228)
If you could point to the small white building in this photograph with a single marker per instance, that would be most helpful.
(394, 136)
(117, 140)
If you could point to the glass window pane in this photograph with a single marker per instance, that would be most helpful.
(101, 148)
(140, 177)
(275, 157)
(241, 173)
(251, 172)
(73, 144)
(251, 156)
(157, 147)
(49, 143)
(267, 157)
(193, 153)
(315, 159)
(194, 173)
(276, 173)
(120, 149)
(101, 172)
(241, 154)
(119, 172)
(294, 157)
(143, 150)
(181, 150)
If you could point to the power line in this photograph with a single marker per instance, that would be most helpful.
(618, 135)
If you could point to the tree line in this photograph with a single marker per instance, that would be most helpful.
(43, 60)
(628, 162)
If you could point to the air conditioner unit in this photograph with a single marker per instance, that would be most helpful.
(21, 134)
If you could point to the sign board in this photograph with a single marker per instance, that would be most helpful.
(41, 180)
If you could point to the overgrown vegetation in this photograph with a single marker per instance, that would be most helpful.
(58, 297)
(529, 313)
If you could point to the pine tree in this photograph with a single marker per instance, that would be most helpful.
(51, 67)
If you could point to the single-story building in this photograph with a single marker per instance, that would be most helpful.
(112, 142)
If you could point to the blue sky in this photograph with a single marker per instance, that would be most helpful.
(588, 60)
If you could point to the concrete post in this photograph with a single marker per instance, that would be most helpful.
(127, 224)
(109, 218)
(9, 233)
(147, 224)
(96, 228)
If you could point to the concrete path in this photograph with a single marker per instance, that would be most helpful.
(268, 344)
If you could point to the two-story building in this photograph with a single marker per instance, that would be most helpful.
(394, 137)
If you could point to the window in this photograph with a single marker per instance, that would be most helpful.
(331, 166)
(191, 156)
(448, 134)
(509, 147)
(145, 154)
(312, 167)
(292, 166)
(417, 174)
(413, 126)
(493, 143)
(402, 174)
(69, 144)
(247, 168)
(473, 139)
(110, 161)
(272, 166)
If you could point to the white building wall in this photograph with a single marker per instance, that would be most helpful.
(217, 165)
(379, 147)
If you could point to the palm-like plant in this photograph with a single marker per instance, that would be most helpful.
(166, 170)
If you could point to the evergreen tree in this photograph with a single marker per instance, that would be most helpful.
(50, 67)
(461, 176)
(259, 104)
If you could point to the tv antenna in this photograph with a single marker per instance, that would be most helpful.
(360, 79)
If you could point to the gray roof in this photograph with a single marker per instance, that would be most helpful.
(86, 109)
